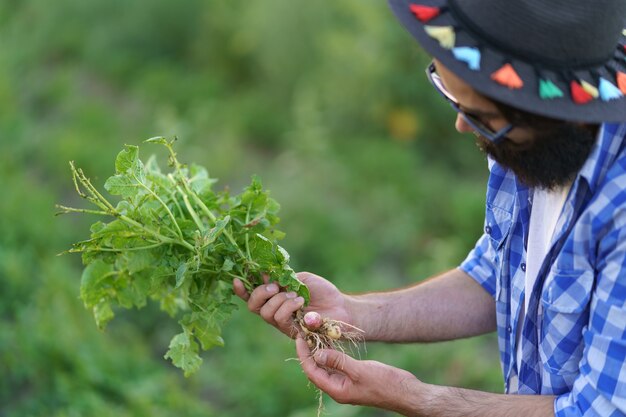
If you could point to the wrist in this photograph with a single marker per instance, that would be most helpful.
(409, 397)
(357, 310)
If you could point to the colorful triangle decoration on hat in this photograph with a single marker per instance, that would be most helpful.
(590, 89)
(579, 95)
(621, 81)
(424, 13)
(549, 90)
(443, 34)
(507, 77)
(608, 91)
(469, 55)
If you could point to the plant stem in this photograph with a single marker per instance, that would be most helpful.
(191, 210)
(121, 250)
(159, 236)
(247, 233)
(92, 190)
(167, 209)
(197, 200)
(75, 210)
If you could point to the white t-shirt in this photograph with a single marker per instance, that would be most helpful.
(546, 209)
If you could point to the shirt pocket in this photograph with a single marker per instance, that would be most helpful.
(497, 225)
(565, 313)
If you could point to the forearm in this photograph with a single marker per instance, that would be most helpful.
(421, 399)
(449, 306)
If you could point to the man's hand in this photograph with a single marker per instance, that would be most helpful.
(350, 381)
(277, 308)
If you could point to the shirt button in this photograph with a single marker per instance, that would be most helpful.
(509, 329)
(523, 266)
(488, 229)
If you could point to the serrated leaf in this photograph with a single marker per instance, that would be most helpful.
(128, 162)
(228, 265)
(96, 227)
(121, 185)
(157, 139)
(262, 251)
(127, 159)
(213, 233)
(184, 353)
(287, 278)
(206, 326)
(132, 291)
(138, 260)
(283, 255)
(126, 208)
(103, 314)
(91, 291)
(181, 273)
(200, 181)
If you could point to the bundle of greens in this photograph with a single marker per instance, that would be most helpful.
(173, 239)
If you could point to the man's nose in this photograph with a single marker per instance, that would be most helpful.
(461, 124)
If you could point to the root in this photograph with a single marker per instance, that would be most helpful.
(332, 334)
(320, 402)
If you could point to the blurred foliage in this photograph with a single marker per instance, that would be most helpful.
(326, 101)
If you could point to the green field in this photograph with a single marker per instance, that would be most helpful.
(326, 101)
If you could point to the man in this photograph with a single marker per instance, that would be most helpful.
(541, 84)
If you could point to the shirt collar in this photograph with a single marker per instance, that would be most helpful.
(608, 144)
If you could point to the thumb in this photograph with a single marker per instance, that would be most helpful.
(333, 359)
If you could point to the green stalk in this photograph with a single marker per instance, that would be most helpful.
(159, 236)
(167, 209)
(76, 177)
(207, 212)
(91, 189)
(191, 210)
(122, 250)
(197, 200)
(247, 234)
(75, 210)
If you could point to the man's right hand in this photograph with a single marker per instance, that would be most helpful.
(278, 308)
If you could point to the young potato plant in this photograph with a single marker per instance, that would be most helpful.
(171, 238)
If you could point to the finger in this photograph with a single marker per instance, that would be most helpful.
(260, 295)
(284, 314)
(333, 359)
(316, 374)
(240, 290)
(271, 306)
(335, 384)
(303, 276)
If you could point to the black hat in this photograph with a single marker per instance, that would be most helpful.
(564, 59)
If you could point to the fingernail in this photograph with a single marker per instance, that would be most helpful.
(272, 287)
(320, 358)
(299, 300)
(291, 294)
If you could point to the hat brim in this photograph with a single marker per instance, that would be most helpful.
(526, 98)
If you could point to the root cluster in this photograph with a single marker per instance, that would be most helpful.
(329, 334)
(325, 333)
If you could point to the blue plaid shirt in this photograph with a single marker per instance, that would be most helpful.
(574, 333)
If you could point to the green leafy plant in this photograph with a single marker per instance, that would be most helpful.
(173, 239)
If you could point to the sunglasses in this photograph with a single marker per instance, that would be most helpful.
(474, 121)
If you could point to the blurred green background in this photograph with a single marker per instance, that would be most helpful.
(326, 101)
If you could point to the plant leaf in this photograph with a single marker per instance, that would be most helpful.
(184, 353)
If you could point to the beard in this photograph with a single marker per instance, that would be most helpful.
(550, 160)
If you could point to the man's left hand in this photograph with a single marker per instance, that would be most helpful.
(351, 381)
